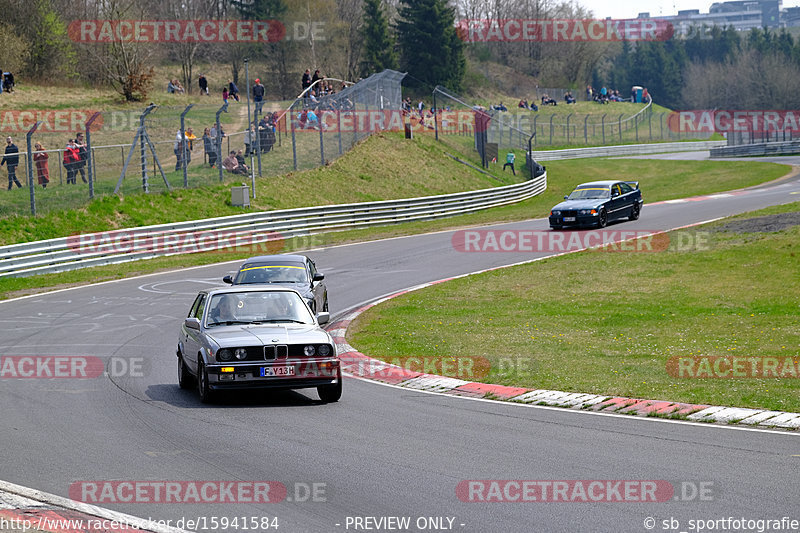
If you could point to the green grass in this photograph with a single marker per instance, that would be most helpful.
(607, 323)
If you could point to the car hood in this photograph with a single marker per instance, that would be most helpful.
(226, 336)
(578, 204)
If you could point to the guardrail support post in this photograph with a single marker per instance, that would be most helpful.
(29, 162)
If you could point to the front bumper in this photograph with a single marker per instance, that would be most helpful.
(578, 221)
(305, 373)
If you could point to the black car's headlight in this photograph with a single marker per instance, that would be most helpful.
(324, 350)
(587, 212)
(555, 213)
(309, 350)
(240, 354)
(224, 355)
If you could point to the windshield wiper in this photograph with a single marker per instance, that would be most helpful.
(285, 320)
(230, 323)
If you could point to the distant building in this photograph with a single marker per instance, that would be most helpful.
(742, 15)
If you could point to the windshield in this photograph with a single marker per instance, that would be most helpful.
(586, 193)
(257, 308)
(271, 273)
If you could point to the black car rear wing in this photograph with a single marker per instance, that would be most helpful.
(634, 184)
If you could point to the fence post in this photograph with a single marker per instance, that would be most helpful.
(258, 137)
(551, 128)
(338, 127)
(620, 126)
(603, 127)
(321, 143)
(649, 123)
(568, 117)
(30, 168)
(435, 113)
(636, 126)
(294, 139)
(222, 109)
(90, 153)
(184, 146)
(586, 130)
(535, 118)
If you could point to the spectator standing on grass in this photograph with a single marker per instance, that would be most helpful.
(306, 80)
(83, 157)
(248, 140)
(258, 94)
(11, 160)
(225, 94)
(510, 157)
(317, 76)
(71, 159)
(40, 157)
(210, 149)
(203, 84)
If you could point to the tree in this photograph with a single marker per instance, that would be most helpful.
(430, 48)
(379, 53)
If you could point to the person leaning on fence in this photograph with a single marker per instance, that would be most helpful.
(510, 157)
(83, 156)
(40, 157)
(11, 161)
(71, 160)
(233, 90)
(210, 149)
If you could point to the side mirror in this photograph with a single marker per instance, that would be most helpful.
(566, 197)
(319, 276)
(614, 194)
(228, 279)
(192, 323)
(323, 318)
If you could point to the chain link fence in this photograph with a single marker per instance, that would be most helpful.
(145, 151)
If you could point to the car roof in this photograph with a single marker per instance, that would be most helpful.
(606, 183)
(249, 288)
(293, 258)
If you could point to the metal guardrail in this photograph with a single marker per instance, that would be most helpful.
(120, 246)
(750, 150)
(628, 149)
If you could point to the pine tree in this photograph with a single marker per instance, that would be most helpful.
(431, 50)
(379, 53)
(260, 9)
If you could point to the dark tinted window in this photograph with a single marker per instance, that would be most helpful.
(625, 188)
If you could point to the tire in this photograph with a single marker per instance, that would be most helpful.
(635, 211)
(331, 393)
(203, 388)
(602, 218)
(185, 378)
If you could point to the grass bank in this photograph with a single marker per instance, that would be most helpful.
(608, 323)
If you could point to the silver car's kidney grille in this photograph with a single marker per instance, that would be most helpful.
(272, 352)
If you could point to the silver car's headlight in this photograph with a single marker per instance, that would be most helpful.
(309, 350)
(224, 354)
(324, 350)
(240, 353)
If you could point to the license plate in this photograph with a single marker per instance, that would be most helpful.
(569, 219)
(275, 371)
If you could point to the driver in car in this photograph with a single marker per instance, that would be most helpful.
(226, 309)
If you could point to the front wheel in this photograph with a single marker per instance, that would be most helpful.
(203, 388)
(184, 377)
(602, 219)
(635, 211)
(331, 393)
